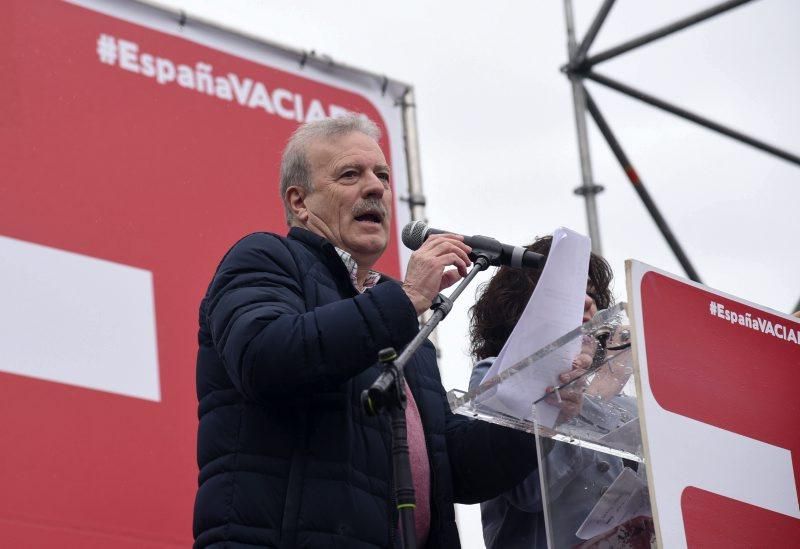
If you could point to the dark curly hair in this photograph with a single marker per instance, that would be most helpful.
(502, 300)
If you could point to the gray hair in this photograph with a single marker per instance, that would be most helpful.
(295, 168)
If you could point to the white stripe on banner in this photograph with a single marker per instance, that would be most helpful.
(79, 320)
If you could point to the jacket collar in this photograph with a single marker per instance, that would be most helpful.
(326, 251)
(313, 240)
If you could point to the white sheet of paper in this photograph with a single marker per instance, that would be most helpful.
(554, 308)
(625, 499)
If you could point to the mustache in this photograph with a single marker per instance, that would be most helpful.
(369, 205)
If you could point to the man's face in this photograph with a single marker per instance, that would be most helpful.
(351, 201)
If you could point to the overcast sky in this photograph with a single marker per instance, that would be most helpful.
(497, 130)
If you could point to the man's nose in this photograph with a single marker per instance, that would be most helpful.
(373, 187)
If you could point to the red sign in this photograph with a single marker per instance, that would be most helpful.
(718, 384)
(138, 147)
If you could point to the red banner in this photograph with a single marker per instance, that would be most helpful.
(127, 147)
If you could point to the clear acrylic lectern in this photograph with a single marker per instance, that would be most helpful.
(591, 485)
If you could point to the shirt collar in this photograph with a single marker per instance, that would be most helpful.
(352, 269)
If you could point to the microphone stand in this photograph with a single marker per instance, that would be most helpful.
(388, 393)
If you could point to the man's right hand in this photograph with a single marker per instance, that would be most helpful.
(426, 275)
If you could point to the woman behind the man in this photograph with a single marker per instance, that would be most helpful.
(515, 519)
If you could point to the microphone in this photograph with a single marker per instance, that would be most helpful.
(415, 233)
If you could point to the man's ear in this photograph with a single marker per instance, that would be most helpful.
(295, 198)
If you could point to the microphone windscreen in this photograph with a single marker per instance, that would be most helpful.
(414, 234)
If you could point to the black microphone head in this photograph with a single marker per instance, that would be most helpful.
(414, 234)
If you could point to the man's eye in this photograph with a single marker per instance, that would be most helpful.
(349, 174)
(383, 177)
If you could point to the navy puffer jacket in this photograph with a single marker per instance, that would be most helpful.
(287, 457)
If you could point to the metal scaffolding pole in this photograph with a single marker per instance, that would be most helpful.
(692, 117)
(588, 189)
(416, 198)
(579, 67)
(591, 34)
(664, 31)
(639, 187)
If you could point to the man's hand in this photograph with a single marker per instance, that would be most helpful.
(426, 275)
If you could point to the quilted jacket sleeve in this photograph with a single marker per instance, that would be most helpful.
(486, 459)
(269, 343)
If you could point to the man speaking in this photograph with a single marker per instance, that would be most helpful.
(290, 330)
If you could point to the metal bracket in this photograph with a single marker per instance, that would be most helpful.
(414, 199)
(584, 190)
(443, 303)
(578, 68)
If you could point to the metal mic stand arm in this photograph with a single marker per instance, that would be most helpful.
(388, 393)
(379, 395)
